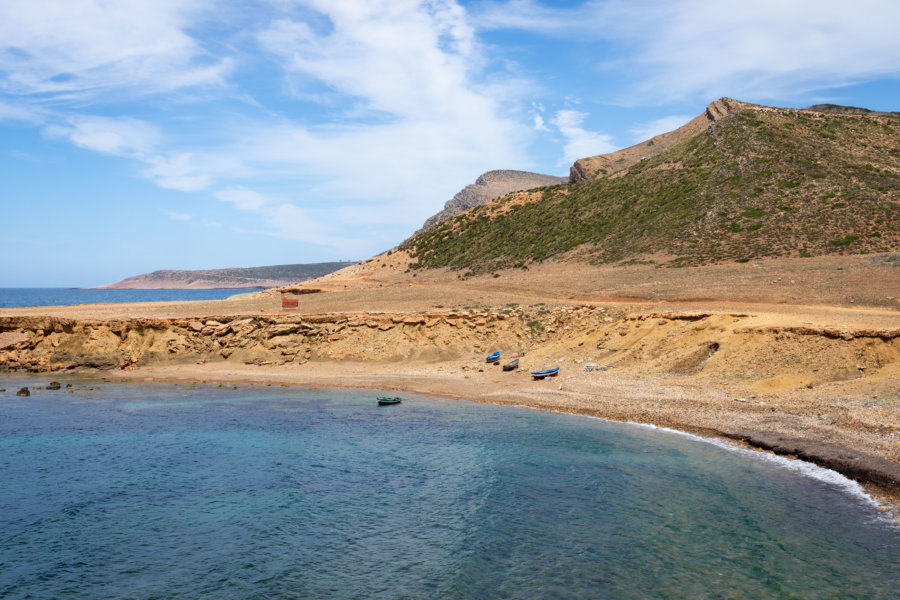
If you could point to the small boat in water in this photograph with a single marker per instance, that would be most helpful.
(386, 401)
(545, 373)
(512, 365)
(492, 357)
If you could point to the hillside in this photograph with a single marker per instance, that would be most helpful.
(608, 165)
(754, 182)
(250, 277)
(490, 186)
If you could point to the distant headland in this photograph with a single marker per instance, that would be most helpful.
(235, 278)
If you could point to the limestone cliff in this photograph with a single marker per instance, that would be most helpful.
(605, 165)
(490, 186)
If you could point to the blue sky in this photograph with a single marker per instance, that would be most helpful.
(190, 134)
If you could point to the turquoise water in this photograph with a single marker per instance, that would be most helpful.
(16, 297)
(165, 491)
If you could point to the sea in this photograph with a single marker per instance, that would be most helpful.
(150, 490)
(19, 297)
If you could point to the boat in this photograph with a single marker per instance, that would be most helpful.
(388, 401)
(492, 357)
(512, 365)
(545, 373)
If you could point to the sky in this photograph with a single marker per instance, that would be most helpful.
(138, 135)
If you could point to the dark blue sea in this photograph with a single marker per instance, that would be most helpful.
(174, 491)
(15, 297)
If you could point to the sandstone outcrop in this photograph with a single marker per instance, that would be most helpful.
(692, 344)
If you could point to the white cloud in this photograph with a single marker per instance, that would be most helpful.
(404, 58)
(87, 48)
(121, 136)
(707, 48)
(137, 140)
(580, 143)
(175, 171)
(322, 227)
(645, 131)
(242, 198)
(18, 112)
(539, 123)
(407, 114)
(418, 125)
(177, 216)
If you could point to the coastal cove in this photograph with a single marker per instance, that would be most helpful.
(312, 489)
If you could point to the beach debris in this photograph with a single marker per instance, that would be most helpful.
(23, 392)
(604, 368)
(589, 367)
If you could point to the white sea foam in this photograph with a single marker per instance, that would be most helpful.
(803, 467)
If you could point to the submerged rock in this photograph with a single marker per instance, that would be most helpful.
(23, 392)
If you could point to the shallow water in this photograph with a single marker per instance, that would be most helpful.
(165, 491)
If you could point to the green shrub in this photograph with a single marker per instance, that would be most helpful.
(845, 241)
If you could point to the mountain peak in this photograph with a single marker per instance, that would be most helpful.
(489, 186)
(606, 165)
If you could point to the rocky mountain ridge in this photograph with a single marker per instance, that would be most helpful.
(608, 165)
(490, 186)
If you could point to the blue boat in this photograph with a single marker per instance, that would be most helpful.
(389, 401)
(492, 357)
(545, 373)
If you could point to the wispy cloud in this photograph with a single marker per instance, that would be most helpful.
(242, 198)
(19, 112)
(122, 136)
(177, 216)
(175, 171)
(137, 140)
(405, 113)
(706, 49)
(580, 143)
(645, 131)
(88, 48)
